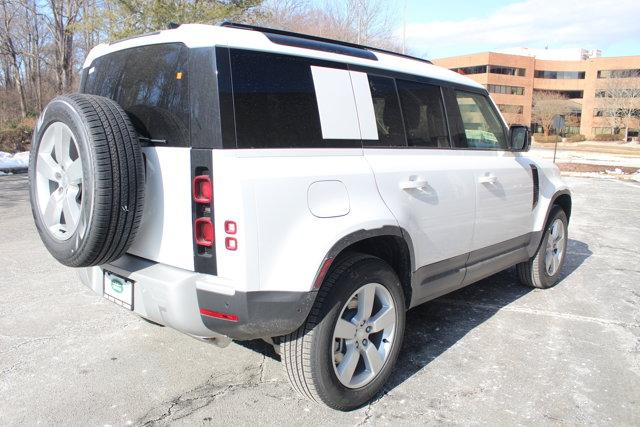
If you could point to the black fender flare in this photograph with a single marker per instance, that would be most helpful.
(357, 236)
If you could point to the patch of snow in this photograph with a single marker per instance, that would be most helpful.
(5, 173)
(14, 161)
(616, 171)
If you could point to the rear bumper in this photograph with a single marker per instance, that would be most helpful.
(173, 297)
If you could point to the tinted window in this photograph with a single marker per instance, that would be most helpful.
(387, 110)
(482, 127)
(151, 84)
(275, 101)
(423, 114)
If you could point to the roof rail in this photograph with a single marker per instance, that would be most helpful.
(322, 43)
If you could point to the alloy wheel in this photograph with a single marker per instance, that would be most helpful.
(555, 247)
(364, 335)
(59, 181)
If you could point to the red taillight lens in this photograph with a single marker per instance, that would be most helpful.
(219, 315)
(231, 244)
(204, 232)
(230, 227)
(202, 189)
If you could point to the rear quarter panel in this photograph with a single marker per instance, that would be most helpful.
(281, 244)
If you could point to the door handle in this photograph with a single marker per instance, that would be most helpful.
(488, 179)
(413, 184)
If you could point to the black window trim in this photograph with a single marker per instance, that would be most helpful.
(228, 123)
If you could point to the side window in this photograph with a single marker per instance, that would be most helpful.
(423, 113)
(275, 101)
(151, 84)
(387, 112)
(482, 127)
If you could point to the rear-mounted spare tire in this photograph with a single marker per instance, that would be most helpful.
(86, 180)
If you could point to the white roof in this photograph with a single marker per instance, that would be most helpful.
(198, 35)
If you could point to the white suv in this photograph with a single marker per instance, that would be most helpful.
(236, 182)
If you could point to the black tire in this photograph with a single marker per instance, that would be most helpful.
(112, 187)
(307, 353)
(533, 273)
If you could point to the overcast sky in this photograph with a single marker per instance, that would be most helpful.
(437, 28)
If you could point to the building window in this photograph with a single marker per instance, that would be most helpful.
(569, 94)
(618, 93)
(618, 74)
(475, 69)
(510, 108)
(509, 90)
(609, 112)
(571, 130)
(541, 74)
(510, 71)
(602, 131)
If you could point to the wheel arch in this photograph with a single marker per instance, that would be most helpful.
(561, 198)
(389, 243)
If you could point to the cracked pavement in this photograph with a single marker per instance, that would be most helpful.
(492, 353)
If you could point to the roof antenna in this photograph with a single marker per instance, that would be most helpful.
(172, 25)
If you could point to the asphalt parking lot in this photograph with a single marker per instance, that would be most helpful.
(493, 353)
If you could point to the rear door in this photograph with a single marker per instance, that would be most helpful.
(151, 83)
(429, 187)
(503, 182)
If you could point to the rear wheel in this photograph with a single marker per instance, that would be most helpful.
(346, 350)
(544, 268)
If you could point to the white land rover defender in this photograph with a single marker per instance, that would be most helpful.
(237, 182)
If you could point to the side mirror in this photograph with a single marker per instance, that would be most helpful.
(519, 138)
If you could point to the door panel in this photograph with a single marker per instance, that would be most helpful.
(432, 195)
(504, 193)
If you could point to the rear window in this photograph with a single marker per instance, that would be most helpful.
(275, 101)
(423, 114)
(387, 112)
(151, 84)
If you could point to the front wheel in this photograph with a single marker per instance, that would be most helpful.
(346, 350)
(543, 269)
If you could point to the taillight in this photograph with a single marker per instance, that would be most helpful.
(202, 189)
(202, 201)
(231, 244)
(230, 227)
(204, 233)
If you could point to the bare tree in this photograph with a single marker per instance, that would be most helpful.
(547, 105)
(9, 46)
(65, 15)
(368, 22)
(619, 102)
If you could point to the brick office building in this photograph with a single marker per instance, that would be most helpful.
(580, 75)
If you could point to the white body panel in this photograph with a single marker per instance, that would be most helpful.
(165, 233)
(439, 216)
(504, 190)
(281, 243)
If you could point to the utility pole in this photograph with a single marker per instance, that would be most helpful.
(404, 27)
